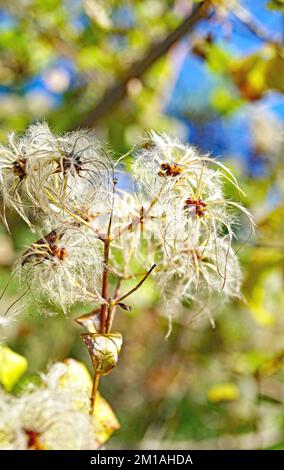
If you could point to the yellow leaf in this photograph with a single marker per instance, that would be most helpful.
(78, 377)
(256, 305)
(223, 392)
(77, 374)
(12, 367)
(105, 421)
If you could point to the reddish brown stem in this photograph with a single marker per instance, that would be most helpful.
(135, 287)
(103, 325)
(112, 308)
(104, 307)
(96, 380)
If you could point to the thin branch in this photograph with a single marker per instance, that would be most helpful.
(105, 285)
(112, 308)
(254, 25)
(96, 381)
(117, 301)
(117, 92)
(105, 306)
(107, 241)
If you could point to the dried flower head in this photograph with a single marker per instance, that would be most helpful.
(179, 218)
(78, 172)
(44, 174)
(62, 268)
(201, 271)
(20, 175)
(191, 196)
(54, 414)
(179, 222)
(11, 435)
(48, 417)
(190, 222)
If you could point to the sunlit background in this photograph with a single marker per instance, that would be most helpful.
(220, 87)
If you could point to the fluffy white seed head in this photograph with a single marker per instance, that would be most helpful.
(78, 173)
(48, 417)
(8, 318)
(50, 422)
(46, 174)
(200, 273)
(168, 171)
(189, 220)
(184, 188)
(127, 227)
(178, 218)
(62, 268)
(20, 163)
(11, 434)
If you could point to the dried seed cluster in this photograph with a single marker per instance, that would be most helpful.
(65, 187)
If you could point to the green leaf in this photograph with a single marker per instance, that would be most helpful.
(12, 367)
(25, 382)
(218, 59)
(224, 102)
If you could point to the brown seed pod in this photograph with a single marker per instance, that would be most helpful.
(90, 321)
(104, 350)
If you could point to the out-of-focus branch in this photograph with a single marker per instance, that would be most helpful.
(254, 25)
(117, 92)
